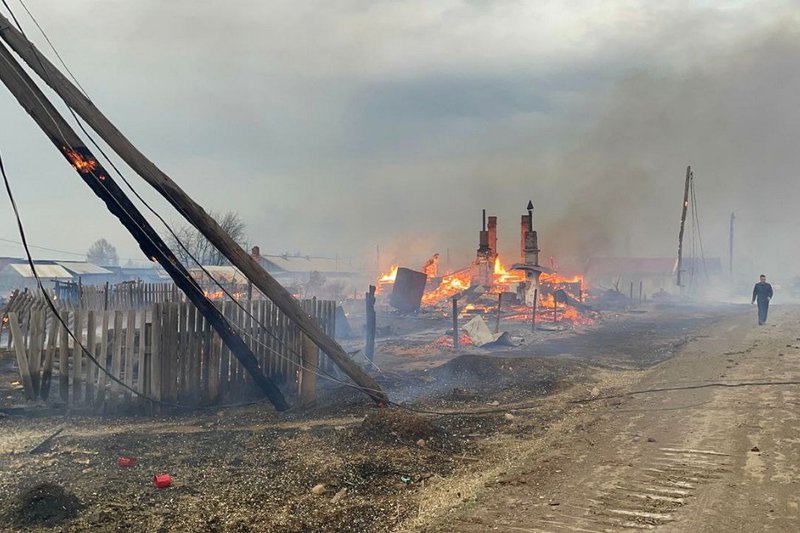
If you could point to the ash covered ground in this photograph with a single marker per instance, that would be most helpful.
(345, 465)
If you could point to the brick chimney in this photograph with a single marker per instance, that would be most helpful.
(492, 234)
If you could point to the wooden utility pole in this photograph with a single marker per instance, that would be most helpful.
(98, 179)
(683, 223)
(730, 246)
(369, 347)
(499, 309)
(185, 205)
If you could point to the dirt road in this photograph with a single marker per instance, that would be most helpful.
(710, 459)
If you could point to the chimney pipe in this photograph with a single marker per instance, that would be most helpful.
(530, 215)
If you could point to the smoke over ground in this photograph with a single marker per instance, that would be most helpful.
(334, 129)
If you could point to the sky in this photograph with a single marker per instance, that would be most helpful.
(336, 127)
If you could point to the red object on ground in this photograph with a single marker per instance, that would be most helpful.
(162, 481)
(126, 462)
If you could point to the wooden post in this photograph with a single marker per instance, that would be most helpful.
(369, 348)
(308, 376)
(533, 308)
(22, 357)
(156, 349)
(685, 207)
(631, 291)
(229, 312)
(36, 334)
(499, 307)
(47, 370)
(641, 286)
(102, 357)
(91, 369)
(63, 358)
(193, 212)
(77, 357)
(130, 332)
(555, 307)
(456, 331)
(116, 355)
(194, 356)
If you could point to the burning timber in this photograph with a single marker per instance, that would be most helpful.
(487, 287)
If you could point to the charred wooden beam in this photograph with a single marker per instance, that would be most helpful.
(562, 296)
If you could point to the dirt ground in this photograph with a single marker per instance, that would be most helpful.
(710, 455)
(506, 443)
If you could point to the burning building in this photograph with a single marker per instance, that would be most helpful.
(485, 284)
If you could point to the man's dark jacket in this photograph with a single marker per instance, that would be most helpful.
(762, 292)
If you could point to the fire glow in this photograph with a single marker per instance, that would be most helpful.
(451, 285)
(80, 163)
(550, 306)
(386, 279)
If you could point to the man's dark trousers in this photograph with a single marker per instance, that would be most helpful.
(763, 308)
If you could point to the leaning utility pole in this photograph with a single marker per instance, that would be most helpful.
(185, 205)
(683, 222)
(730, 246)
(99, 180)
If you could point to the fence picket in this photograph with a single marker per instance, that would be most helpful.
(77, 357)
(130, 335)
(91, 369)
(22, 357)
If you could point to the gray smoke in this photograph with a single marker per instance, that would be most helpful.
(335, 128)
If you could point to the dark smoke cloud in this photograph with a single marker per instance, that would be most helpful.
(336, 127)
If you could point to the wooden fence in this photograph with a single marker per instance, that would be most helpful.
(167, 352)
(128, 295)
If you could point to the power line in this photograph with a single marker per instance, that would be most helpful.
(11, 241)
(65, 252)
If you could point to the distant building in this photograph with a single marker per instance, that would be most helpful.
(153, 274)
(297, 268)
(19, 275)
(88, 273)
(15, 273)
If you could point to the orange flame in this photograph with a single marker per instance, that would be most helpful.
(80, 163)
(503, 278)
(390, 277)
(451, 285)
(386, 279)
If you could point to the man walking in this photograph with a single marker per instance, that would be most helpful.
(762, 293)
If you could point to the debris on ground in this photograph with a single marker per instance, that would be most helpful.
(46, 504)
(339, 496)
(394, 424)
(481, 336)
